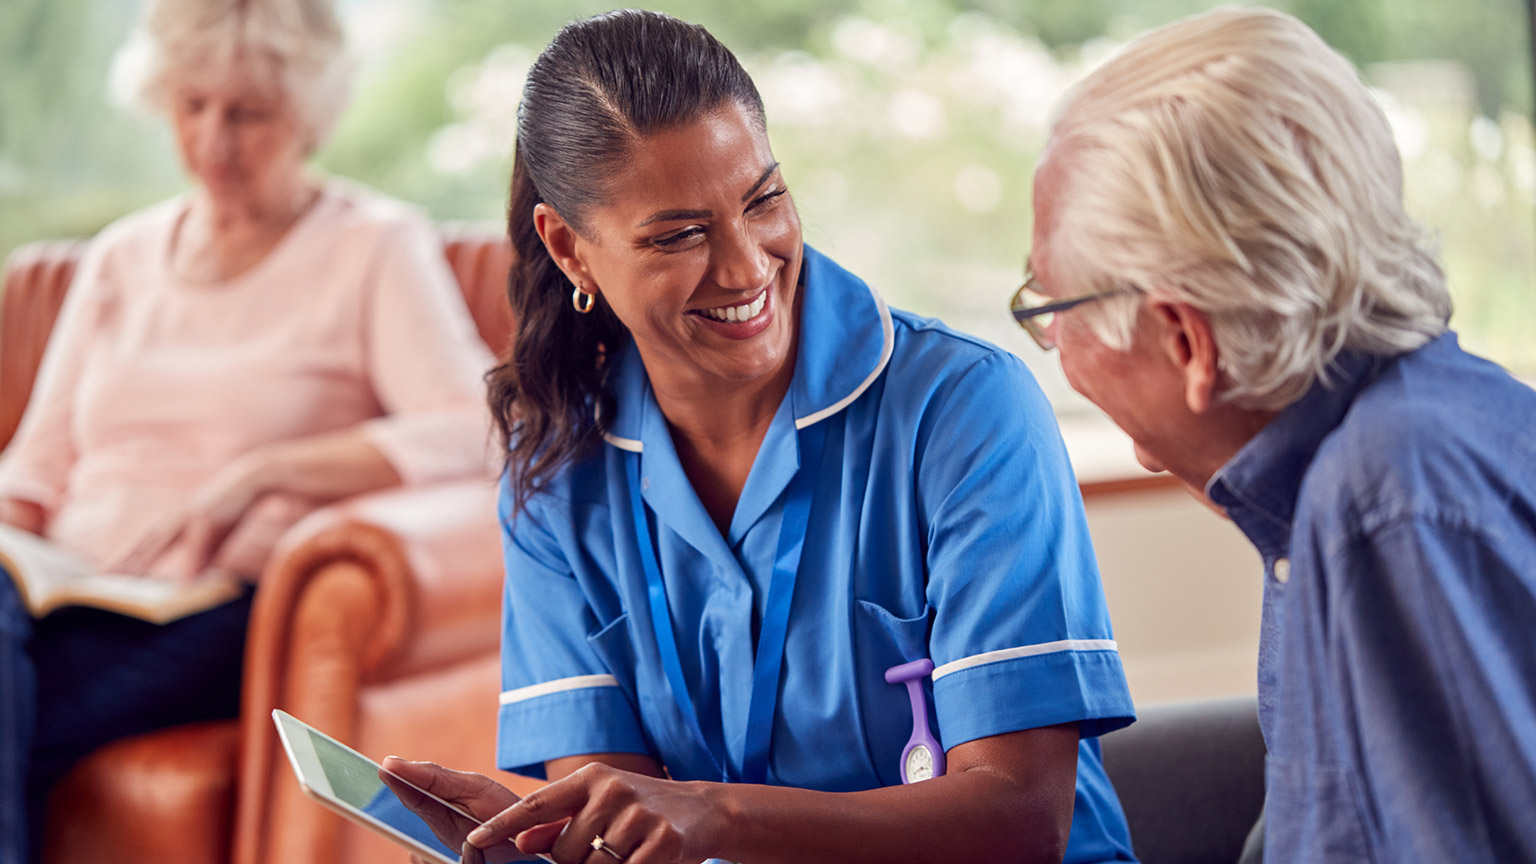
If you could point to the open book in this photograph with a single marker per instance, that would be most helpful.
(49, 577)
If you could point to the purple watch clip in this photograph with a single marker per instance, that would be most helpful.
(923, 758)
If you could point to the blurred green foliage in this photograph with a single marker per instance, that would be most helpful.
(908, 128)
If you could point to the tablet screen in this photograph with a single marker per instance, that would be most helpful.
(356, 781)
(353, 781)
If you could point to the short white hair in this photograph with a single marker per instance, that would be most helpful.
(302, 40)
(1234, 162)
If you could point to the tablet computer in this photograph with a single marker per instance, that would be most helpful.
(355, 786)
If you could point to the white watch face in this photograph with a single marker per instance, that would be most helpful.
(919, 764)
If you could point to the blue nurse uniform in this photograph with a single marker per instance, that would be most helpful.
(945, 524)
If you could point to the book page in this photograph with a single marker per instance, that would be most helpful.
(50, 577)
(40, 569)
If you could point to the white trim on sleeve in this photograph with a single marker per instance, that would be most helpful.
(559, 685)
(1025, 651)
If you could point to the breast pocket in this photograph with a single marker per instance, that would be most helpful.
(615, 649)
(612, 645)
(883, 640)
(667, 733)
(1313, 813)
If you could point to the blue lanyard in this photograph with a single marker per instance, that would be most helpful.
(769, 659)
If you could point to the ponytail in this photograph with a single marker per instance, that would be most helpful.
(549, 399)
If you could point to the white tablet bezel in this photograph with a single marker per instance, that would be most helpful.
(312, 779)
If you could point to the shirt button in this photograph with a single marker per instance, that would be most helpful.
(1282, 570)
(645, 483)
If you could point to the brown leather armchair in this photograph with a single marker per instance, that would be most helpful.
(377, 620)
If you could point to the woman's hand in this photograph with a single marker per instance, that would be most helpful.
(318, 469)
(643, 820)
(476, 794)
(26, 515)
(203, 524)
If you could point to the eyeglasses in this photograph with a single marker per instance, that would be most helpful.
(1035, 311)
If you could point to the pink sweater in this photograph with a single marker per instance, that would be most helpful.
(150, 385)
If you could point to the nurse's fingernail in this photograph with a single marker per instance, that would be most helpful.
(479, 835)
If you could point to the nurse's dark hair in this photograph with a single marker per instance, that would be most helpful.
(591, 97)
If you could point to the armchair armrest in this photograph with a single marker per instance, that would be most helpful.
(434, 553)
(390, 586)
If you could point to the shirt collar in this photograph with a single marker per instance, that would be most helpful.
(846, 338)
(1258, 487)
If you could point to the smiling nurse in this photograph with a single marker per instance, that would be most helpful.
(740, 490)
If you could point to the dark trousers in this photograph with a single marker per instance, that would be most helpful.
(79, 678)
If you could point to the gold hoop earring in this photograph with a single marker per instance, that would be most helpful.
(582, 301)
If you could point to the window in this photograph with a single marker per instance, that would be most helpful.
(907, 128)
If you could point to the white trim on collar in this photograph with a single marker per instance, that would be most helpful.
(889, 331)
(629, 444)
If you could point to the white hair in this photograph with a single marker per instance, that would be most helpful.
(1234, 162)
(300, 40)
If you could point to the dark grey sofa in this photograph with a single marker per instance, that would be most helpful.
(1191, 778)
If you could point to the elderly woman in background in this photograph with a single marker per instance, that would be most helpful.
(225, 362)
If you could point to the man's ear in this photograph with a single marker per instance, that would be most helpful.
(1189, 344)
(562, 242)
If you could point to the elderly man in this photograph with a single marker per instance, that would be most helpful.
(1222, 257)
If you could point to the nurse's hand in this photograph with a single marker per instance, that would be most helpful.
(476, 794)
(449, 825)
(643, 820)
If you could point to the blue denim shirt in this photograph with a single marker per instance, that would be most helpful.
(1394, 506)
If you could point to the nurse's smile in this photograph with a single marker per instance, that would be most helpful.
(740, 321)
